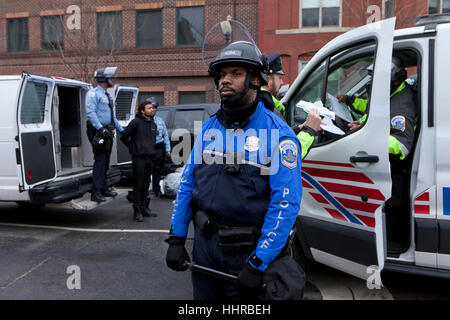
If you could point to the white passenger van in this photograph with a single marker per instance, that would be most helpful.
(45, 155)
(346, 177)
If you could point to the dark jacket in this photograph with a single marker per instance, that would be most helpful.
(140, 136)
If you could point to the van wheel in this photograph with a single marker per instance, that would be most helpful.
(30, 205)
(295, 251)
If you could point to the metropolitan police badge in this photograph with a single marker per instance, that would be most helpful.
(398, 122)
(289, 153)
(252, 144)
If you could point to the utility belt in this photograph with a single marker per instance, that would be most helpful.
(110, 127)
(160, 145)
(232, 238)
(99, 142)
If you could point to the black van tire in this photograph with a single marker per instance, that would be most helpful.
(295, 250)
(30, 205)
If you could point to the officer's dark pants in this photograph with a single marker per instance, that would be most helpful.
(206, 252)
(101, 164)
(158, 167)
(142, 169)
(397, 207)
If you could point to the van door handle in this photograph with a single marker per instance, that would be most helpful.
(365, 158)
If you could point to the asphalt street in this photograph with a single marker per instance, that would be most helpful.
(113, 265)
(52, 253)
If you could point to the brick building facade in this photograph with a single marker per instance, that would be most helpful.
(297, 29)
(65, 38)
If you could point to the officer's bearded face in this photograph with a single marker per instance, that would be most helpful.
(232, 82)
(275, 83)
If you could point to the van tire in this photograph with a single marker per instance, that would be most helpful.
(30, 205)
(295, 250)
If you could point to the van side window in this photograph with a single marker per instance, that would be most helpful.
(184, 119)
(163, 114)
(310, 91)
(345, 77)
(33, 103)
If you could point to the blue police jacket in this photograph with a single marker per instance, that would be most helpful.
(266, 191)
(98, 110)
(162, 135)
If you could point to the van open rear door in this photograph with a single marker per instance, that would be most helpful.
(36, 142)
(346, 179)
(125, 102)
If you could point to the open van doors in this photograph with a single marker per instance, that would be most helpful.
(35, 135)
(346, 179)
(125, 102)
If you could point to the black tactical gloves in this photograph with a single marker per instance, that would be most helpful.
(251, 278)
(176, 254)
(106, 134)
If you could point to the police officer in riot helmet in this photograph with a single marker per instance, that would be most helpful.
(245, 201)
(100, 130)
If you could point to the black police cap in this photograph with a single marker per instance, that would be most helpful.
(275, 65)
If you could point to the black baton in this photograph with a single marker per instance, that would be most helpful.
(215, 273)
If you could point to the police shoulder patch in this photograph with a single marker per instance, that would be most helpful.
(289, 153)
(91, 93)
(398, 122)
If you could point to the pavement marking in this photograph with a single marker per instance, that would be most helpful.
(24, 274)
(84, 229)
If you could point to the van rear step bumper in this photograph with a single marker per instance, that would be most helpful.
(71, 188)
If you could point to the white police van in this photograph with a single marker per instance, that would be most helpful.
(346, 175)
(45, 155)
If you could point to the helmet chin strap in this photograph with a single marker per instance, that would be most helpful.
(234, 99)
(234, 113)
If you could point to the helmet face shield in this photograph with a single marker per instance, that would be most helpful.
(243, 54)
(230, 43)
(103, 74)
(110, 72)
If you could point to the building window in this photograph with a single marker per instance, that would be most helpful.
(18, 36)
(388, 9)
(109, 30)
(148, 29)
(159, 96)
(190, 24)
(301, 65)
(191, 97)
(438, 6)
(320, 13)
(52, 33)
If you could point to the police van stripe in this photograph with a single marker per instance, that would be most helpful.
(330, 198)
(446, 200)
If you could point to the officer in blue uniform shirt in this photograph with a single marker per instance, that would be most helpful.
(100, 125)
(162, 148)
(241, 186)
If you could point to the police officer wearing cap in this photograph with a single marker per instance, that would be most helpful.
(162, 148)
(311, 127)
(241, 186)
(275, 80)
(100, 130)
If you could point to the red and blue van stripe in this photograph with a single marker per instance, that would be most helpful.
(446, 201)
(341, 184)
(331, 199)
